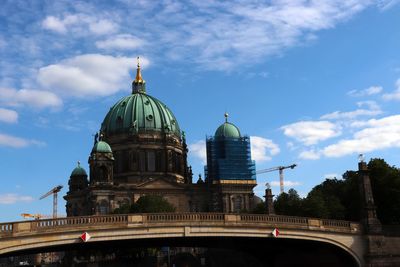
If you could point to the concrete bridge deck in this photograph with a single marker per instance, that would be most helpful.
(26, 235)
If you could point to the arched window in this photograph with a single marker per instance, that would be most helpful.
(142, 161)
(102, 174)
(125, 160)
(118, 164)
(237, 204)
(160, 161)
(178, 158)
(151, 161)
(134, 160)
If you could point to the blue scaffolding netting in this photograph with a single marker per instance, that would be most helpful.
(229, 158)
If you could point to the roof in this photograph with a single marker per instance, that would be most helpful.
(227, 129)
(102, 147)
(78, 171)
(139, 112)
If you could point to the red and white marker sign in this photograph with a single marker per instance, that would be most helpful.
(85, 237)
(275, 232)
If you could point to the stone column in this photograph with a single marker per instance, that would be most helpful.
(368, 209)
(269, 202)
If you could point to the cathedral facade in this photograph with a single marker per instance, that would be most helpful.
(140, 150)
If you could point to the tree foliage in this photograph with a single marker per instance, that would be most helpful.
(259, 208)
(340, 198)
(289, 203)
(385, 181)
(147, 204)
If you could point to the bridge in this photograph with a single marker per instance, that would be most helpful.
(25, 236)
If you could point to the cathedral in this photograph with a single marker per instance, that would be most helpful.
(140, 150)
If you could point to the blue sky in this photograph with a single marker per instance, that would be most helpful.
(312, 82)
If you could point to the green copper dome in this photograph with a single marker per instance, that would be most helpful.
(102, 146)
(78, 171)
(227, 129)
(139, 112)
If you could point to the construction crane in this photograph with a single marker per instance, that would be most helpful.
(35, 216)
(280, 169)
(54, 192)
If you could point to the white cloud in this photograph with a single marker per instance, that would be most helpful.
(198, 150)
(80, 24)
(89, 75)
(218, 35)
(17, 142)
(372, 110)
(310, 154)
(33, 98)
(377, 134)
(8, 115)
(285, 183)
(373, 90)
(236, 32)
(121, 42)
(102, 26)
(386, 4)
(395, 95)
(262, 149)
(12, 198)
(311, 132)
(54, 24)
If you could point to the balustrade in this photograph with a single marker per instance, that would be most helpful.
(6, 227)
(168, 217)
(87, 220)
(335, 223)
(157, 218)
(275, 219)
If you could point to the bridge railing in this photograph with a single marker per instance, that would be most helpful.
(335, 223)
(86, 220)
(131, 220)
(6, 228)
(274, 219)
(185, 217)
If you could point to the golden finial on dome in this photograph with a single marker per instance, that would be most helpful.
(138, 85)
(138, 72)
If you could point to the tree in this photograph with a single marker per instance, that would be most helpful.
(324, 200)
(259, 208)
(147, 204)
(152, 203)
(289, 203)
(385, 182)
(123, 209)
(340, 198)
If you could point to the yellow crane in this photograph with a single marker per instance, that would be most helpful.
(34, 216)
(280, 169)
(53, 192)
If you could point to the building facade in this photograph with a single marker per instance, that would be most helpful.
(230, 172)
(140, 150)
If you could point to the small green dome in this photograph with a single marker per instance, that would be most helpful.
(139, 112)
(78, 171)
(102, 146)
(227, 130)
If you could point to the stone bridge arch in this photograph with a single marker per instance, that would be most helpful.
(41, 234)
